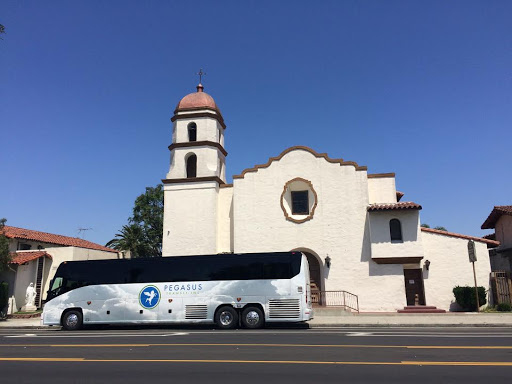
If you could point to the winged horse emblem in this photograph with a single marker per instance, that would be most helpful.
(150, 296)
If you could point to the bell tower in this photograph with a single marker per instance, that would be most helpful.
(197, 169)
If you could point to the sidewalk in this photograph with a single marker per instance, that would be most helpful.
(339, 318)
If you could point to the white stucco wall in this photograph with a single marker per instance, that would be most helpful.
(190, 218)
(503, 229)
(380, 236)
(207, 162)
(224, 220)
(381, 190)
(450, 266)
(208, 129)
(339, 227)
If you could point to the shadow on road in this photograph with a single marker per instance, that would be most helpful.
(179, 327)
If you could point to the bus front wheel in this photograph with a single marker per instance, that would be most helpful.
(226, 318)
(72, 320)
(253, 317)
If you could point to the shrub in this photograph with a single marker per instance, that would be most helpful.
(4, 295)
(465, 297)
(504, 307)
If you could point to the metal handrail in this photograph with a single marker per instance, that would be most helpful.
(344, 299)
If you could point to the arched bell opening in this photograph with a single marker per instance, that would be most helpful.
(191, 165)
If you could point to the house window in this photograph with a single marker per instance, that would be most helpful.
(192, 166)
(24, 247)
(192, 132)
(395, 229)
(300, 203)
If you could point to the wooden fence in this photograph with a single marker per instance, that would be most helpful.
(501, 287)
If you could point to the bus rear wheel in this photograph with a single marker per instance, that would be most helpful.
(72, 320)
(226, 318)
(253, 317)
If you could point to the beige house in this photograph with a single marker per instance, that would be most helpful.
(35, 258)
(362, 242)
(500, 219)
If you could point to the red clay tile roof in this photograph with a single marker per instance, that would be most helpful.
(393, 206)
(496, 213)
(26, 256)
(50, 238)
(451, 234)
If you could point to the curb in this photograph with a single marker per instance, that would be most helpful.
(423, 325)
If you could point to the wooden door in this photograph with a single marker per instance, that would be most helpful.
(414, 286)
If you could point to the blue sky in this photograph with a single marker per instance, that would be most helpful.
(422, 89)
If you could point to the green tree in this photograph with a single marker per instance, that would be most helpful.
(148, 213)
(5, 257)
(128, 239)
(143, 234)
(439, 228)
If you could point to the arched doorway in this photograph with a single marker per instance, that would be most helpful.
(315, 275)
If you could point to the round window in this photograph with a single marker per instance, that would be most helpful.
(298, 200)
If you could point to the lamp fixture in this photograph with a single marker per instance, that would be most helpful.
(328, 261)
(427, 264)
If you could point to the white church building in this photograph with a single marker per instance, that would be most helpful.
(358, 236)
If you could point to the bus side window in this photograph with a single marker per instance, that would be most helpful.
(57, 283)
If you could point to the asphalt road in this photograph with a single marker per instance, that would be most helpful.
(289, 355)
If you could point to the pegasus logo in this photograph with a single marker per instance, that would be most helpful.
(149, 297)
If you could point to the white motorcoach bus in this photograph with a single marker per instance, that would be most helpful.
(225, 289)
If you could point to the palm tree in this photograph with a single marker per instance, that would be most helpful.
(130, 239)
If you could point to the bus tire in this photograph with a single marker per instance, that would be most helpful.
(72, 320)
(226, 317)
(253, 317)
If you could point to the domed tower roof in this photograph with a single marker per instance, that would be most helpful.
(197, 100)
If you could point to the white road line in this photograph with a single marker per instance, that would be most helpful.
(96, 336)
(359, 334)
(437, 336)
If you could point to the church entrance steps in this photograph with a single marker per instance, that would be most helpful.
(421, 309)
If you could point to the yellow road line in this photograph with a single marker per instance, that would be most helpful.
(63, 359)
(259, 345)
(469, 363)
(406, 363)
(458, 347)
